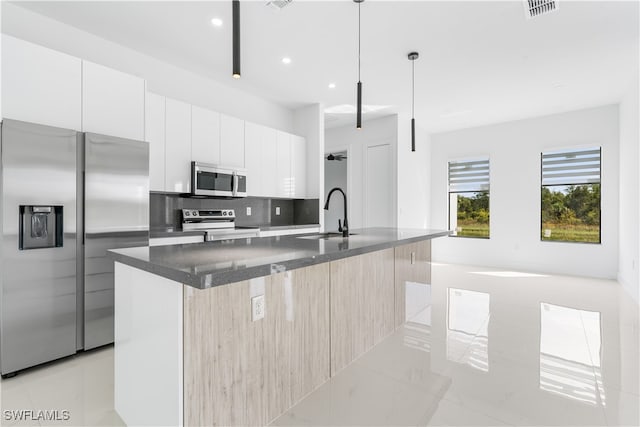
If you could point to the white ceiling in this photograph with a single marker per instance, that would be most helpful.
(480, 62)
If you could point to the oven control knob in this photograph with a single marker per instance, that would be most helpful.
(187, 213)
(194, 213)
(230, 213)
(224, 213)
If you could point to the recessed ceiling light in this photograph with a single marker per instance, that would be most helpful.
(332, 85)
(216, 22)
(286, 60)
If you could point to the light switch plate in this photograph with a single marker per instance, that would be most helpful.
(277, 210)
(248, 210)
(257, 308)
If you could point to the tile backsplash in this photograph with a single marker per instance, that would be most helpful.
(165, 210)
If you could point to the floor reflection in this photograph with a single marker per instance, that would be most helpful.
(570, 347)
(564, 351)
(468, 328)
(418, 315)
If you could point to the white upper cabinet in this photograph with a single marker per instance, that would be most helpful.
(253, 136)
(178, 146)
(269, 174)
(205, 135)
(283, 164)
(231, 141)
(40, 85)
(155, 135)
(260, 160)
(112, 102)
(298, 166)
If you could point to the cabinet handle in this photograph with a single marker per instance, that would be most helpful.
(413, 258)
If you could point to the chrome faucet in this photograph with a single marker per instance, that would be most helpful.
(344, 228)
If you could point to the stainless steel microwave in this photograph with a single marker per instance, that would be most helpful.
(212, 180)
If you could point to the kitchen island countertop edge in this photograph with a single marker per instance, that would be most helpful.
(208, 264)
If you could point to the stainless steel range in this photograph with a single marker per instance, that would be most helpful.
(218, 224)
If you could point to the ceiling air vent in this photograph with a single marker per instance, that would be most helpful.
(278, 4)
(534, 8)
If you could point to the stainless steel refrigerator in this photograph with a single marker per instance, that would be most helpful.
(66, 197)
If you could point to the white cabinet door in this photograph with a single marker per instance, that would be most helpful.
(155, 136)
(112, 102)
(231, 141)
(269, 155)
(260, 160)
(299, 166)
(253, 139)
(40, 85)
(283, 164)
(178, 146)
(205, 135)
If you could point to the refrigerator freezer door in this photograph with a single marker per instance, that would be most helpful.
(38, 285)
(116, 216)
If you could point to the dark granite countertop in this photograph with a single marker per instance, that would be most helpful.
(155, 233)
(209, 264)
(287, 227)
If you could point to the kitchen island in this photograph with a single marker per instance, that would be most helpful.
(236, 332)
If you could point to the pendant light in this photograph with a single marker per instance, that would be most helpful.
(412, 57)
(359, 86)
(236, 38)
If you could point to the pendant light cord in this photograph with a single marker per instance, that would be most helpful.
(359, 41)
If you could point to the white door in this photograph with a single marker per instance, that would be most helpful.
(379, 185)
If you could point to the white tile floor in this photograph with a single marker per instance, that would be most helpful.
(493, 347)
(481, 347)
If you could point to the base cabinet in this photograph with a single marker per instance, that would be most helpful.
(362, 308)
(205, 360)
(243, 372)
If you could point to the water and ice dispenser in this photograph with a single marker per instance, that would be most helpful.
(40, 227)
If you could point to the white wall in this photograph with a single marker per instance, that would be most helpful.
(379, 131)
(414, 178)
(514, 149)
(629, 250)
(162, 78)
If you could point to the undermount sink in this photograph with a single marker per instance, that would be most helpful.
(334, 235)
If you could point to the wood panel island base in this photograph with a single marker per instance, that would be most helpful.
(191, 354)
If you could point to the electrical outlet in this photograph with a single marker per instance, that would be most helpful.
(277, 210)
(257, 308)
(248, 210)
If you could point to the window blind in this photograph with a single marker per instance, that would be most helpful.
(571, 167)
(469, 175)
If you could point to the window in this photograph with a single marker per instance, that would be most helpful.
(570, 196)
(469, 198)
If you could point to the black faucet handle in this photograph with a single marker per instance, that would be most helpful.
(339, 226)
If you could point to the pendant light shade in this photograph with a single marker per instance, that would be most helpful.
(236, 38)
(359, 107)
(359, 86)
(412, 57)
